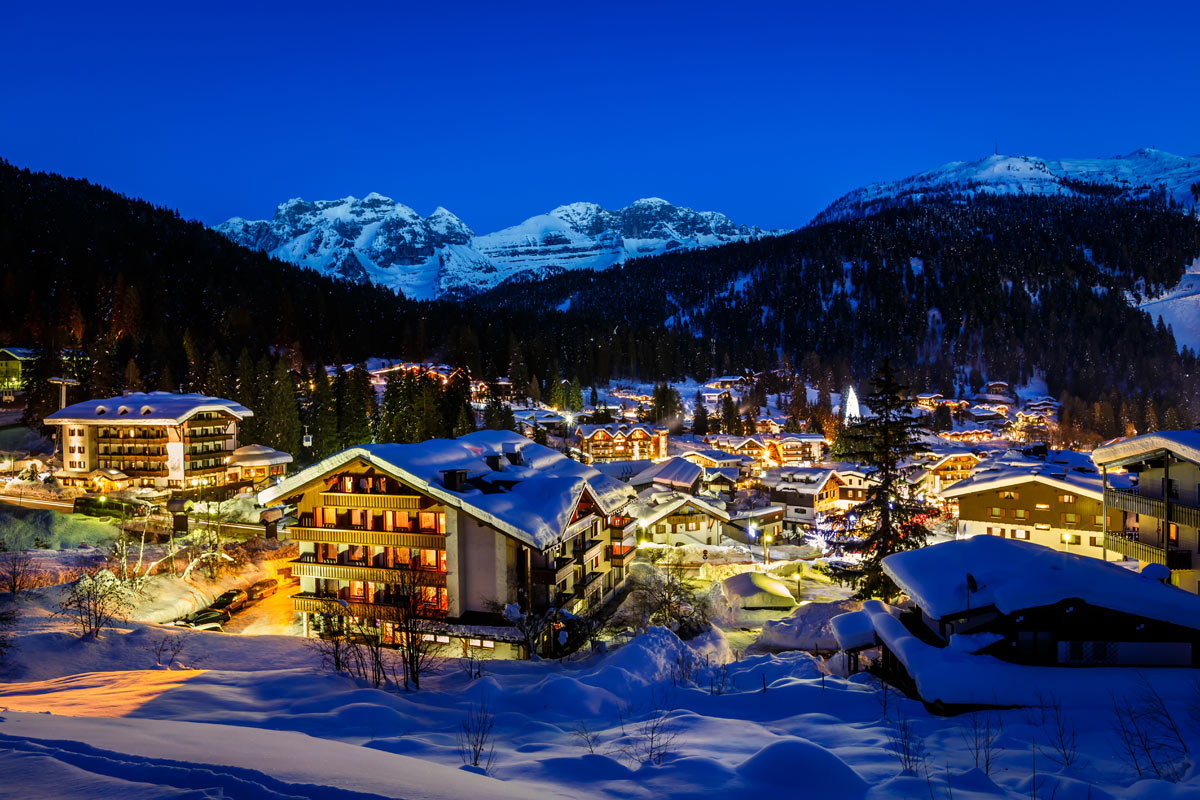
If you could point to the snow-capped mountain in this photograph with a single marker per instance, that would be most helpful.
(1136, 173)
(379, 240)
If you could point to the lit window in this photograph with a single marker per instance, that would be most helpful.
(1020, 534)
(1041, 506)
(1042, 526)
(1009, 495)
(1066, 498)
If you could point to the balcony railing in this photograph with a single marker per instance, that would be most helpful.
(590, 584)
(580, 525)
(547, 576)
(389, 502)
(1134, 503)
(591, 549)
(1131, 547)
(621, 555)
(425, 541)
(309, 567)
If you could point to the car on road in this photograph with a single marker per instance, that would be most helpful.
(264, 588)
(229, 601)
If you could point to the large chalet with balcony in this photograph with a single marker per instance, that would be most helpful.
(1157, 514)
(149, 439)
(485, 521)
(621, 441)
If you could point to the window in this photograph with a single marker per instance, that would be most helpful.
(1009, 495)
(1095, 541)
(1098, 520)
(1042, 506)
(1099, 651)
(1172, 533)
(1069, 539)
(1042, 526)
(1020, 534)
(996, 511)
(1070, 519)
(1019, 513)
(1066, 498)
(1171, 489)
(1075, 651)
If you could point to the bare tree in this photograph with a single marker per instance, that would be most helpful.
(588, 739)
(414, 631)
(1147, 738)
(166, 649)
(9, 614)
(17, 572)
(662, 597)
(906, 744)
(657, 733)
(982, 739)
(475, 735)
(333, 644)
(1063, 748)
(530, 625)
(96, 601)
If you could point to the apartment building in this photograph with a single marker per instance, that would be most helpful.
(620, 441)
(1056, 501)
(1152, 491)
(806, 493)
(479, 522)
(149, 439)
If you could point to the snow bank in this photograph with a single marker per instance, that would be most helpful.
(754, 590)
(807, 628)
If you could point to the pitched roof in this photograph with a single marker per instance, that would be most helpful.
(1185, 444)
(146, 408)
(532, 501)
(1063, 469)
(652, 507)
(1013, 575)
(677, 472)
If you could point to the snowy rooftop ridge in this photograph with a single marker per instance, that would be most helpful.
(1063, 469)
(146, 408)
(1185, 444)
(1014, 575)
(532, 501)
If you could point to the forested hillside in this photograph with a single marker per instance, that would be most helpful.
(997, 285)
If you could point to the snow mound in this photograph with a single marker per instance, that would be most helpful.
(751, 590)
(794, 761)
(806, 628)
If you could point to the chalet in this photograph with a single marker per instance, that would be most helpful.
(718, 459)
(479, 522)
(946, 469)
(677, 518)
(853, 483)
(929, 400)
(720, 481)
(1024, 603)
(751, 447)
(14, 362)
(1151, 485)
(806, 493)
(1055, 500)
(257, 464)
(153, 439)
(795, 448)
(620, 441)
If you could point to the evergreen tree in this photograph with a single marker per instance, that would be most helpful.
(535, 390)
(131, 378)
(101, 379)
(518, 373)
(941, 418)
(497, 415)
(322, 417)
(593, 398)
(217, 380)
(574, 395)
(887, 521)
(700, 417)
(281, 415)
(730, 422)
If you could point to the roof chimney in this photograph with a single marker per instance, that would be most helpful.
(512, 451)
(493, 461)
(454, 480)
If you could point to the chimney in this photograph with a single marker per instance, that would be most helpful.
(454, 480)
(493, 461)
(512, 452)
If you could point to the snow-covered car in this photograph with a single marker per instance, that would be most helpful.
(205, 619)
(264, 588)
(229, 601)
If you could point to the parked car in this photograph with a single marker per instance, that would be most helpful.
(204, 620)
(230, 601)
(264, 588)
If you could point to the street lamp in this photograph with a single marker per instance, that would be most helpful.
(766, 551)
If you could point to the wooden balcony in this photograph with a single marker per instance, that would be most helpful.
(131, 440)
(590, 584)
(384, 502)
(581, 525)
(206, 437)
(310, 568)
(1147, 553)
(621, 555)
(592, 548)
(547, 576)
(426, 541)
(1134, 503)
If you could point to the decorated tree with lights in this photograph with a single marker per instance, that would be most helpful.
(888, 521)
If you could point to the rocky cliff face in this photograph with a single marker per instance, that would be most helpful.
(379, 240)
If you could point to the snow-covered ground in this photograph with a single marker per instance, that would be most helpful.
(1179, 308)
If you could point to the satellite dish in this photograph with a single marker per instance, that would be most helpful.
(972, 584)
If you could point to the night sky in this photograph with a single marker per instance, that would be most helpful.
(766, 112)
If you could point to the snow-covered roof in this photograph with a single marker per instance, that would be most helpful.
(677, 472)
(532, 501)
(1013, 575)
(623, 428)
(146, 408)
(20, 353)
(1184, 444)
(756, 590)
(1068, 470)
(653, 506)
(622, 470)
(853, 630)
(258, 455)
(805, 480)
(728, 473)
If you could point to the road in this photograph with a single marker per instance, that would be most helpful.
(37, 502)
(271, 615)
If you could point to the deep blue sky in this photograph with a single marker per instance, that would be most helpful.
(764, 111)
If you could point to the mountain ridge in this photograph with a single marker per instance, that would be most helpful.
(378, 240)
